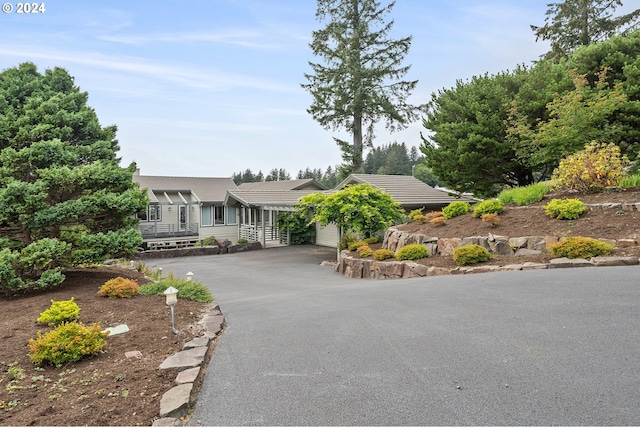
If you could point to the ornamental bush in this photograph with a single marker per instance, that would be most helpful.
(365, 251)
(412, 251)
(491, 219)
(494, 206)
(434, 214)
(382, 254)
(420, 219)
(69, 342)
(581, 247)
(527, 195)
(454, 209)
(372, 240)
(565, 208)
(353, 246)
(470, 254)
(191, 290)
(439, 220)
(414, 213)
(60, 312)
(593, 169)
(119, 288)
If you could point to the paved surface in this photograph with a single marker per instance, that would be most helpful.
(306, 346)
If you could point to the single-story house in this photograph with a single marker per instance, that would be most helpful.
(260, 202)
(185, 210)
(409, 191)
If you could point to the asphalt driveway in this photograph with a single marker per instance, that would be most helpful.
(306, 346)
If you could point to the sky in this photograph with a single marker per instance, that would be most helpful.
(212, 87)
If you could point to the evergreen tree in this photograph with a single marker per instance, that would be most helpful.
(574, 23)
(360, 82)
(278, 175)
(64, 199)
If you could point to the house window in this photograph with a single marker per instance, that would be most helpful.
(218, 217)
(206, 216)
(232, 215)
(155, 213)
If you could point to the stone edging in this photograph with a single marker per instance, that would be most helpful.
(191, 365)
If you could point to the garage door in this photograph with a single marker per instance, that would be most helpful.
(327, 236)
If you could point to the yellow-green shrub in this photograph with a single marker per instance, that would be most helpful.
(439, 220)
(457, 208)
(415, 213)
(355, 245)
(119, 288)
(565, 208)
(365, 251)
(420, 219)
(382, 254)
(470, 254)
(591, 170)
(60, 312)
(412, 251)
(69, 342)
(581, 247)
(371, 240)
(491, 218)
(488, 206)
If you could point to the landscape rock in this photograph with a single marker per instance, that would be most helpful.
(626, 243)
(607, 261)
(175, 402)
(446, 246)
(187, 376)
(524, 252)
(534, 266)
(180, 362)
(569, 263)
(197, 342)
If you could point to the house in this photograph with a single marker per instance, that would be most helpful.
(185, 210)
(260, 202)
(409, 191)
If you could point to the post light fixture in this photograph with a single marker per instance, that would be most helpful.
(171, 295)
(189, 276)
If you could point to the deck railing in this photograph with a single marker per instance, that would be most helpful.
(157, 230)
(254, 233)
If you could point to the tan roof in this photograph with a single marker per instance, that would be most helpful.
(410, 192)
(290, 184)
(274, 199)
(212, 190)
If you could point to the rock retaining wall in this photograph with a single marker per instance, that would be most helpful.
(199, 250)
(395, 239)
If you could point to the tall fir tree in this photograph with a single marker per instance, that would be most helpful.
(360, 81)
(574, 23)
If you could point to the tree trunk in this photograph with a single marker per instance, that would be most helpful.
(357, 143)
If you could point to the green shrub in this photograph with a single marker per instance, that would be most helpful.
(470, 254)
(630, 181)
(581, 247)
(355, 245)
(565, 208)
(593, 169)
(208, 241)
(382, 254)
(297, 224)
(346, 238)
(191, 290)
(242, 240)
(69, 342)
(365, 251)
(119, 288)
(454, 209)
(60, 312)
(372, 240)
(412, 251)
(522, 196)
(414, 213)
(488, 206)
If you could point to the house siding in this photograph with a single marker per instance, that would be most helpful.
(327, 236)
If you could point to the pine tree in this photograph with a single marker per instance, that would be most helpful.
(360, 82)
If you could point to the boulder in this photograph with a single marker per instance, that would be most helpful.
(446, 246)
(606, 261)
(569, 263)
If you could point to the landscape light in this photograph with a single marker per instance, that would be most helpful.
(171, 295)
(189, 276)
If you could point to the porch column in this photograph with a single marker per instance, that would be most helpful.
(264, 228)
